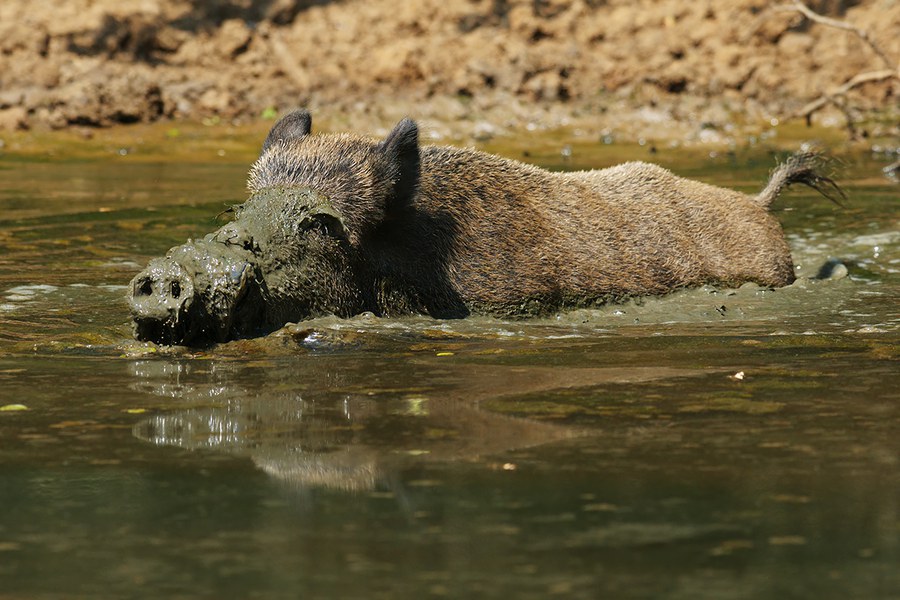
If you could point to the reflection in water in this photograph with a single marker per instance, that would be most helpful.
(687, 483)
(351, 440)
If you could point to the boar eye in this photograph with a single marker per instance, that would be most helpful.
(320, 226)
(327, 225)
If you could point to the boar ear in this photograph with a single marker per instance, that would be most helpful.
(401, 148)
(292, 126)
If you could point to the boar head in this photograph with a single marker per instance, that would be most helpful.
(295, 249)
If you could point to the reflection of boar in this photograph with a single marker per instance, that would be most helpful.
(332, 437)
(342, 224)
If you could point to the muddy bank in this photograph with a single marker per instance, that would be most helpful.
(664, 68)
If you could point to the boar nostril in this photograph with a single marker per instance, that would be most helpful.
(176, 289)
(144, 287)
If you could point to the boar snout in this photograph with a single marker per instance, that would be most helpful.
(162, 298)
(202, 292)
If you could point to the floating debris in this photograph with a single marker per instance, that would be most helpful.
(787, 540)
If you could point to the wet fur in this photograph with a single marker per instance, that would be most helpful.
(450, 231)
(341, 224)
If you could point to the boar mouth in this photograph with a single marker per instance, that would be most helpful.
(168, 332)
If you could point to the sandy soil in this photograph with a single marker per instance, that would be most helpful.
(683, 68)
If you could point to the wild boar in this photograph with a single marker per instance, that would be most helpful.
(340, 224)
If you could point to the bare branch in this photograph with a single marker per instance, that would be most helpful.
(855, 81)
(807, 12)
(837, 97)
(893, 169)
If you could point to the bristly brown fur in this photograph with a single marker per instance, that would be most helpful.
(500, 236)
(340, 224)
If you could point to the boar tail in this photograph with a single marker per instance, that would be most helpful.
(805, 168)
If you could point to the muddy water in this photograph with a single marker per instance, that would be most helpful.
(712, 444)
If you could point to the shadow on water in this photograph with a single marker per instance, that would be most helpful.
(711, 444)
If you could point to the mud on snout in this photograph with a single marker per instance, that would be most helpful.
(200, 293)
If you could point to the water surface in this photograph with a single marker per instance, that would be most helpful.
(711, 444)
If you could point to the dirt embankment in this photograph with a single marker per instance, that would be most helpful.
(475, 66)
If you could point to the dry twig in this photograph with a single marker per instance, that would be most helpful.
(855, 81)
(862, 34)
(835, 96)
